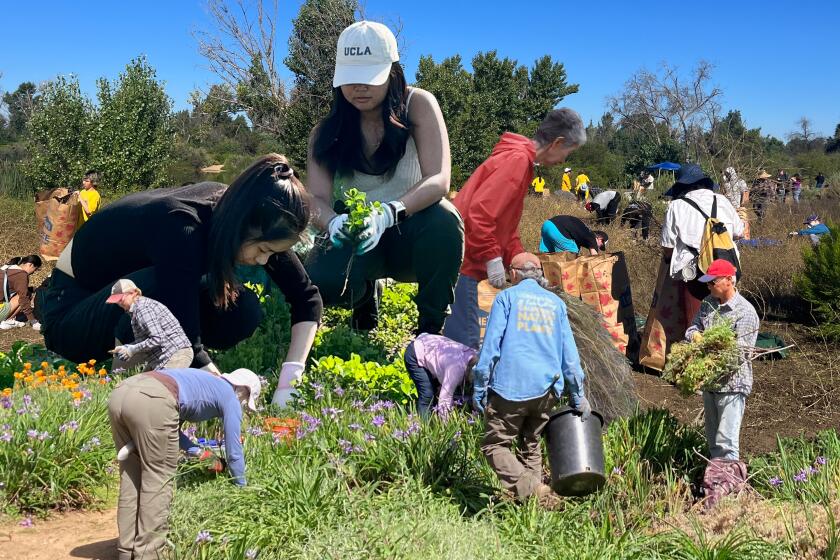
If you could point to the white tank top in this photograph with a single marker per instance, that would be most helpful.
(385, 188)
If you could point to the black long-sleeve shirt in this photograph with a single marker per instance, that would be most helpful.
(573, 228)
(168, 229)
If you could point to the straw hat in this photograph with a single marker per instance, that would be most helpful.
(764, 175)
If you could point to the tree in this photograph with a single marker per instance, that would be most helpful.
(21, 104)
(59, 139)
(311, 58)
(685, 106)
(241, 52)
(833, 144)
(500, 95)
(133, 135)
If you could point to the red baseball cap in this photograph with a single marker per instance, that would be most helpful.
(718, 268)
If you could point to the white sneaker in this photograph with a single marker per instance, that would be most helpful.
(10, 324)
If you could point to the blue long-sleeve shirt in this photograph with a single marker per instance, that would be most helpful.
(552, 241)
(819, 229)
(202, 396)
(528, 347)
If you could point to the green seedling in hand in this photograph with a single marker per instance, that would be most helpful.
(359, 210)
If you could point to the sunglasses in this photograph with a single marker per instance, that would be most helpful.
(715, 281)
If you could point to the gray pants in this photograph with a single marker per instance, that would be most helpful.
(179, 360)
(463, 324)
(518, 424)
(142, 410)
(724, 412)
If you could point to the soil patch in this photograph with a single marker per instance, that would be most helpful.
(73, 535)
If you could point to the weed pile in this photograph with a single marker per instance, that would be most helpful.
(704, 361)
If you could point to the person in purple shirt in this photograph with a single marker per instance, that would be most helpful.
(146, 412)
(438, 364)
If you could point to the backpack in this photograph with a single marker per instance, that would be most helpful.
(716, 242)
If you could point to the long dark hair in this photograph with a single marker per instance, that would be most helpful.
(338, 142)
(266, 202)
(34, 260)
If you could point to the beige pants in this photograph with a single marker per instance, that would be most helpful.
(143, 410)
(520, 423)
(180, 359)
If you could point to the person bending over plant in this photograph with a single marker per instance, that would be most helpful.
(528, 359)
(438, 365)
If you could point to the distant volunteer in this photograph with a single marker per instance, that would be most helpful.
(146, 411)
(582, 186)
(389, 141)
(815, 230)
(181, 246)
(569, 233)
(605, 206)
(16, 298)
(491, 203)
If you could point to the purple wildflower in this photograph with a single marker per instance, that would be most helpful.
(358, 405)
(471, 420)
(277, 438)
(801, 476)
(26, 522)
(255, 431)
(456, 436)
(820, 460)
(32, 434)
(43, 435)
(813, 470)
(251, 554)
(388, 405)
(400, 435)
(413, 428)
(369, 437)
(346, 446)
(203, 537)
(355, 426)
(339, 391)
(6, 437)
(330, 411)
(378, 421)
(5, 402)
(91, 444)
(375, 407)
(319, 391)
(617, 471)
(71, 425)
(27, 400)
(191, 432)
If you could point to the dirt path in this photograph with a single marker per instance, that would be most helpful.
(90, 535)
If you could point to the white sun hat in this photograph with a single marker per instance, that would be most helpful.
(246, 378)
(366, 51)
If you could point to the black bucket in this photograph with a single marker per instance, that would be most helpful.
(575, 452)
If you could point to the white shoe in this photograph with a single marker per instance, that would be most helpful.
(10, 324)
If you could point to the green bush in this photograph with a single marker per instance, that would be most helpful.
(358, 379)
(819, 282)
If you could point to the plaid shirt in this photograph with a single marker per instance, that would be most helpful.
(157, 333)
(745, 322)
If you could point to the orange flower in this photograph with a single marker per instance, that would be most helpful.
(52, 378)
(102, 372)
(39, 373)
(18, 375)
(7, 392)
(27, 366)
(77, 395)
(28, 379)
(45, 365)
(102, 382)
(92, 362)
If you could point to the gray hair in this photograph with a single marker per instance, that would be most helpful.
(563, 122)
(532, 271)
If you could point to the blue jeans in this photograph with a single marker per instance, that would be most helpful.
(463, 324)
(796, 193)
(724, 412)
(426, 383)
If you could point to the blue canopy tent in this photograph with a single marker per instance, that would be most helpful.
(665, 166)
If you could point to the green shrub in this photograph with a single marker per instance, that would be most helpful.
(819, 282)
(358, 379)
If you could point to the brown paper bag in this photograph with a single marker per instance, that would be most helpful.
(42, 201)
(486, 297)
(664, 320)
(561, 269)
(60, 222)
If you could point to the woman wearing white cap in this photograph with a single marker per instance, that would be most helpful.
(389, 141)
(146, 411)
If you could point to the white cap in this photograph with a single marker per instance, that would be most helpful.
(567, 169)
(366, 51)
(246, 378)
(120, 289)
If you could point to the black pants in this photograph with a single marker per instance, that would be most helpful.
(79, 325)
(638, 219)
(607, 215)
(427, 248)
(427, 384)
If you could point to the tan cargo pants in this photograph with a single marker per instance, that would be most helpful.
(143, 410)
(522, 423)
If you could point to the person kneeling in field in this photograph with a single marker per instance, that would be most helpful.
(147, 409)
(159, 340)
(438, 365)
(528, 358)
(724, 405)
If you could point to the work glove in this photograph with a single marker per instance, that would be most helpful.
(215, 463)
(479, 400)
(375, 226)
(336, 230)
(290, 374)
(584, 408)
(36, 325)
(126, 450)
(793, 233)
(496, 273)
(124, 352)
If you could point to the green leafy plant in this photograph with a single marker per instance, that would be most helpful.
(358, 212)
(703, 363)
(819, 282)
(362, 380)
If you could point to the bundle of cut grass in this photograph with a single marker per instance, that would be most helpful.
(705, 361)
(609, 379)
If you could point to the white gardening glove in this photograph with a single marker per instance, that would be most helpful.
(496, 273)
(124, 352)
(126, 450)
(290, 374)
(36, 325)
(375, 226)
(335, 228)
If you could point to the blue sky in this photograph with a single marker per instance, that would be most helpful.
(775, 60)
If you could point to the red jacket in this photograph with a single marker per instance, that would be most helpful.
(491, 204)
